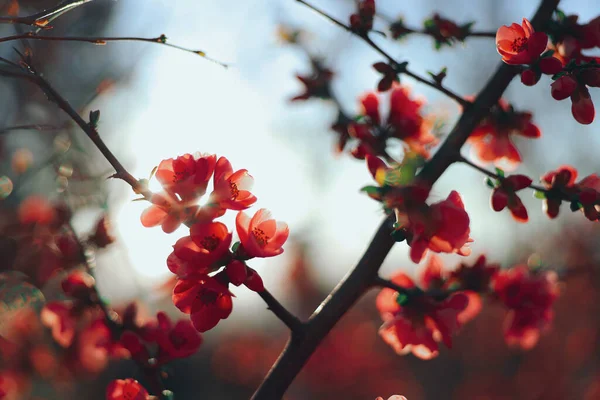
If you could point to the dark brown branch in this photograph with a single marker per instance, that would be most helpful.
(400, 68)
(289, 319)
(381, 282)
(298, 350)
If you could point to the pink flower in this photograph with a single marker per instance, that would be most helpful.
(261, 235)
(519, 44)
(231, 189)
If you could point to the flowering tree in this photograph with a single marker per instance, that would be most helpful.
(199, 188)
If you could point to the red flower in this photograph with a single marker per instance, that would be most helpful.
(198, 254)
(36, 210)
(126, 389)
(582, 106)
(444, 31)
(95, 345)
(389, 76)
(362, 21)
(103, 235)
(519, 44)
(420, 322)
(442, 227)
(491, 139)
(232, 189)
(207, 300)
(473, 281)
(186, 176)
(175, 341)
(238, 272)
(432, 276)
(529, 298)
(167, 211)
(317, 84)
(58, 316)
(589, 196)
(79, 285)
(504, 195)
(560, 182)
(261, 235)
(404, 121)
(563, 87)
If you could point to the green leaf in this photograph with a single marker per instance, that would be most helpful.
(500, 172)
(538, 194)
(402, 299)
(575, 205)
(235, 247)
(548, 53)
(429, 24)
(398, 235)
(490, 183)
(94, 118)
(168, 395)
(560, 15)
(17, 296)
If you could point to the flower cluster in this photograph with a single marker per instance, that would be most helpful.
(491, 140)
(362, 21)
(584, 195)
(404, 122)
(202, 288)
(416, 318)
(442, 227)
(572, 72)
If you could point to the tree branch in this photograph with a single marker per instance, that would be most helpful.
(289, 319)
(42, 19)
(89, 129)
(400, 68)
(102, 40)
(298, 350)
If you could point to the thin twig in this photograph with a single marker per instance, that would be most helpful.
(102, 40)
(289, 319)
(381, 282)
(36, 127)
(42, 19)
(89, 129)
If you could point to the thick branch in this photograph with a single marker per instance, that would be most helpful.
(289, 319)
(298, 350)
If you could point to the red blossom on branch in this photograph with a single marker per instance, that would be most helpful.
(415, 323)
(529, 298)
(126, 389)
(491, 139)
(261, 235)
(207, 300)
(442, 227)
(362, 21)
(520, 44)
(504, 195)
(404, 122)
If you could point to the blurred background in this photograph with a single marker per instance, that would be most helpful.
(157, 102)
